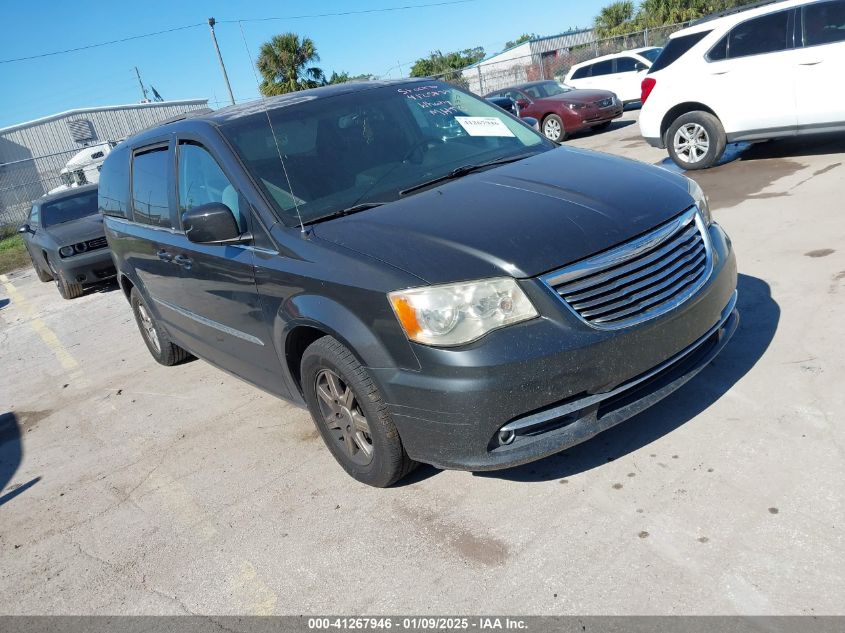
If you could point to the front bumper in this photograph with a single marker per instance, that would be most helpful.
(88, 268)
(554, 381)
(597, 116)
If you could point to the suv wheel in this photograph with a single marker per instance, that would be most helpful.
(351, 416)
(68, 289)
(158, 342)
(696, 140)
(553, 128)
(43, 275)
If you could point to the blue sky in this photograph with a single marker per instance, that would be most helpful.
(182, 65)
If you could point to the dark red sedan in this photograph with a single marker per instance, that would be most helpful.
(562, 110)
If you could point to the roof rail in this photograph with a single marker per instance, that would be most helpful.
(189, 114)
(737, 9)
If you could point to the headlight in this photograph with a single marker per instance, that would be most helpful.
(454, 314)
(66, 251)
(701, 200)
(576, 106)
(81, 247)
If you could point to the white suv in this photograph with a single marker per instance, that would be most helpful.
(771, 71)
(621, 73)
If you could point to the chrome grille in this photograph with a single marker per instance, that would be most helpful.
(640, 279)
(97, 242)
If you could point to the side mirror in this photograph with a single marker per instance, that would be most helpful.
(25, 229)
(210, 224)
(523, 103)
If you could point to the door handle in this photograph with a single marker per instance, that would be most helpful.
(183, 261)
(720, 72)
(813, 63)
(165, 256)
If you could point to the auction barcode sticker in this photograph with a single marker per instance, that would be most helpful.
(483, 126)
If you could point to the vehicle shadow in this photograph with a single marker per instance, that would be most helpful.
(618, 124)
(10, 450)
(793, 147)
(759, 317)
(11, 453)
(103, 287)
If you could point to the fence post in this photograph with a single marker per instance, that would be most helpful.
(480, 81)
(645, 37)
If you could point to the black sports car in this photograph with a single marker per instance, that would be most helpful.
(66, 242)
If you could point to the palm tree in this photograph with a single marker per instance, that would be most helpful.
(612, 17)
(284, 63)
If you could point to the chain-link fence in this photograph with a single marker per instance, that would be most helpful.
(25, 180)
(492, 75)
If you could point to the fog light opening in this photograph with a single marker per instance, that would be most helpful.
(506, 437)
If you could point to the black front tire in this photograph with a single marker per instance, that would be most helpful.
(389, 461)
(67, 289)
(164, 350)
(704, 127)
(43, 275)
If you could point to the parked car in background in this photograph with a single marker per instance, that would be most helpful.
(747, 75)
(66, 242)
(472, 301)
(621, 73)
(562, 110)
(509, 105)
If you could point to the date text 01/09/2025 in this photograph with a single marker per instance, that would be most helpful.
(417, 624)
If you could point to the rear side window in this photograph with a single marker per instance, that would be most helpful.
(766, 34)
(150, 170)
(582, 72)
(114, 184)
(626, 64)
(603, 68)
(676, 48)
(824, 23)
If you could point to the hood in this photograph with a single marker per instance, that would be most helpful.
(69, 233)
(518, 220)
(581, 96)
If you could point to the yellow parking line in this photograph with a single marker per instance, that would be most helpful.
(47, 335)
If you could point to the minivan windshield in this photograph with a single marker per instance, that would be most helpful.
(69, 208)
(369, 146)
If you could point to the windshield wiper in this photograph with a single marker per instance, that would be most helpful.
(463, 170)
(355, 208)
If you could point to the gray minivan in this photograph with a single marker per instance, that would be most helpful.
(432, 278)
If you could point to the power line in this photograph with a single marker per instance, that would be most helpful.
(88, 46)
(344, 13)
(192, 26)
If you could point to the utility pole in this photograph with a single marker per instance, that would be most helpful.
(211, 23)
(141, 83)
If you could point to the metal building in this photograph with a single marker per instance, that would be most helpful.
(537, 58)
(33, 153)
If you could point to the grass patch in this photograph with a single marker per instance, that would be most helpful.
(13, 253)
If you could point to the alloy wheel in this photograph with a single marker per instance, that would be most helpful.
(148, 328)
(551, 128)
(343, 417)
(691, 142)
